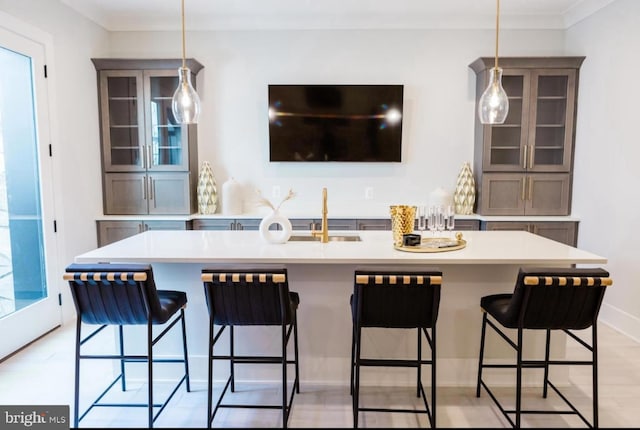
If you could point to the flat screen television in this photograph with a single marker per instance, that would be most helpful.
(352, 123)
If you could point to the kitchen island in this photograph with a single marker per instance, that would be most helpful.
(322, 273)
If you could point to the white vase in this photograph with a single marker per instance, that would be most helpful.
(232, 197)
(207, 191)
(275, 236)
(465, 195)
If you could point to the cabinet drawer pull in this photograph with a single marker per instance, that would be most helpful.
(524, 158)
(152, 190)
(144, 188)
(524, 186)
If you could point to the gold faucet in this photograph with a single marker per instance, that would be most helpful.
(324, 231)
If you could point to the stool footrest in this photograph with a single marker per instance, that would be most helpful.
(404, 411)
(393, 362)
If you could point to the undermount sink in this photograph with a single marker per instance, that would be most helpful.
(336, 238)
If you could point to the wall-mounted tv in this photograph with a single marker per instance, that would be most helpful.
(352, 123)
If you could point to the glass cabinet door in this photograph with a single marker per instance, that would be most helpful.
(551, 133)
(167, 140)
(504, 149)
(121, 101)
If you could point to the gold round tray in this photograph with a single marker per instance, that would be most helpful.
(436, 244)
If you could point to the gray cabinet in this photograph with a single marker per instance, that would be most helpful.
(373, 224)
(466, 225)
(140, 193)
(226, 224)
(532, 194)
(149, 162)
(316, 223)
(524, 166)
(112, 231)
(561, 231)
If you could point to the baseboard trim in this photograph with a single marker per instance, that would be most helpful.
(621, 321)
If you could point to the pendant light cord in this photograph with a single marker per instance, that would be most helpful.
(184, 44)
(497, 28)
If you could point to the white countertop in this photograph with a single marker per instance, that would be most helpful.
(247, 247)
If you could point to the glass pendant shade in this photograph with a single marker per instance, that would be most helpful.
(185, 103)
(493, 106)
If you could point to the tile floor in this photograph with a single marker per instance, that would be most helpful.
(43, 374)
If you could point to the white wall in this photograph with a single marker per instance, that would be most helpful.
(438, 122)
(74, 124)
(606, 175)
(438, 115)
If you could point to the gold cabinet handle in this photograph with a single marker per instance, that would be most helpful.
(524, 186)
(144, 188)
(152, 190)
(531, 157)
(524, 159)
(530, 189)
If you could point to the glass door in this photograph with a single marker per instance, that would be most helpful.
(168, 139)
(121, 102)
(28, 299)
(551, 134)
(505, 144)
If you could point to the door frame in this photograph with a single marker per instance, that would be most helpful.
(45, 315)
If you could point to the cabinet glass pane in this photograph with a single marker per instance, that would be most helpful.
(123, 121)
(505, 145)
(123, 112)
(514, 116)
(512, 85)
(549, 145)
(551, 111)
(552, 86)
(166, 134)
(122, 87)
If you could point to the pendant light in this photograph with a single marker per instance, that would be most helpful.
(185, 103)
(493, 106)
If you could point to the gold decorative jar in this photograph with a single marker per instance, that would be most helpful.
(464, 196)
(402, 221)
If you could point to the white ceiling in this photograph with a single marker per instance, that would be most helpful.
(150, 15)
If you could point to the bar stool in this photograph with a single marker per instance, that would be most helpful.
(119, 295)
(546, 299)
(395, 299)
(254, 297)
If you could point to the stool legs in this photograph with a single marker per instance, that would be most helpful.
(357, 362)
(546, 364)
(433, 377)
(150, 372)
(122, 367)
(594, 381)
(76, 400)
(295, 351)
(184, 348)
(542, 364)
(481, 357)
(232, 360)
